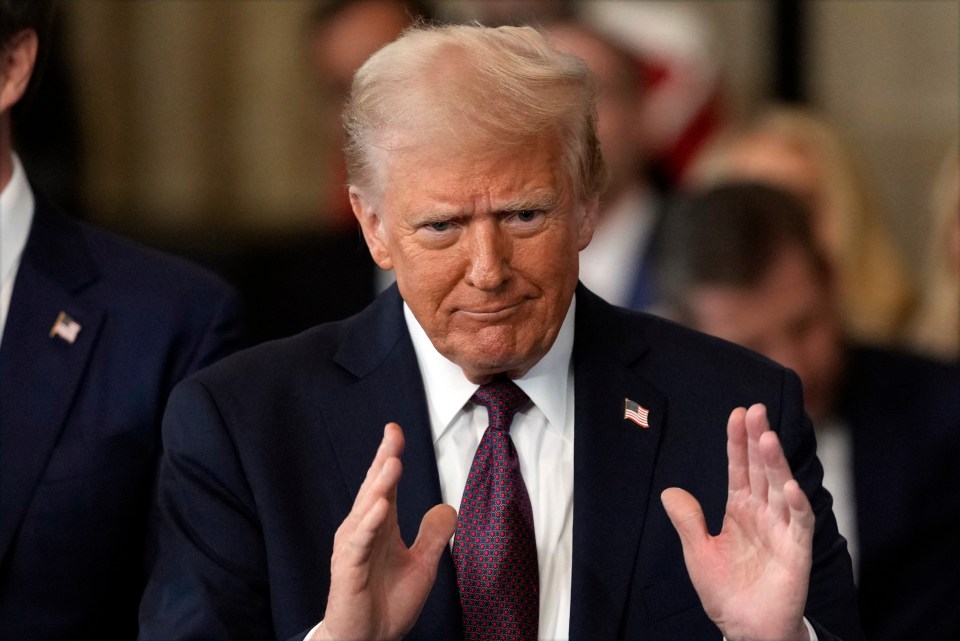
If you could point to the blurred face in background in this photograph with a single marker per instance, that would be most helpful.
(618, 103)
(338, 47)
(788, 316)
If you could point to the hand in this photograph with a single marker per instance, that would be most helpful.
(753, 577)
(377, 585)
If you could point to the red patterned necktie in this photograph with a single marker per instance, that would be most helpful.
(495, 551)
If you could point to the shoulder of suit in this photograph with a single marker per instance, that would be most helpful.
(127, 262)
(309, 352)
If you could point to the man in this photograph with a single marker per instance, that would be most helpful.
(739, 261)
(474, 172)
(95, 334)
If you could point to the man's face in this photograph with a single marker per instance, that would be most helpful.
(484, 247)
(787, 317)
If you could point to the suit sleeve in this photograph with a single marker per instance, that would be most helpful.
(831, 600)
(210, 580)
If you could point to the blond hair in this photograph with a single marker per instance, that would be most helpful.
(936, 329)
(468, 84)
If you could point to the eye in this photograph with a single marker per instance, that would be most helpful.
(527, 215)
(439, 226)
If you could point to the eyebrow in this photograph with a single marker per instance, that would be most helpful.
(545, 199)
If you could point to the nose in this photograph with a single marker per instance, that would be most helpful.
(490, 248)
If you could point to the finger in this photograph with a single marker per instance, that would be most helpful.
(756, 421)
(687, 517)
(371, 520)
(737, 451)
(436, 530)
(778, 472)
(391, 447)
(775, 461)
(802, 519)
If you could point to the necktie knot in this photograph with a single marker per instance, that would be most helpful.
(503, 399)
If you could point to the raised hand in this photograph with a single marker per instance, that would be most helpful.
(377, 585)
(752, 578)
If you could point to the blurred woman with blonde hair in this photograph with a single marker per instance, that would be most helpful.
(936, 328)
(795, 149)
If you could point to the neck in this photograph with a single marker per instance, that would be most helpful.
(6, 150)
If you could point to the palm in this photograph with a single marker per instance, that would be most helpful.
(378, 586)
(752, 577)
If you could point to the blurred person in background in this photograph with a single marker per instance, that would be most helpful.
(739, 261)
(340, 35)
(936, 328)
(675, 52)
(615, 265)
(96, 331)
(292, 282)
(795, 149)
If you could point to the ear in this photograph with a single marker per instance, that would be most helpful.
(587, 222)
(373, 226)
(16, 66)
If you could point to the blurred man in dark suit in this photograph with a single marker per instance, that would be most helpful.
(739, 261)
(96, 331)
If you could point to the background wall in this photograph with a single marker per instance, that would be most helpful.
(200, 115)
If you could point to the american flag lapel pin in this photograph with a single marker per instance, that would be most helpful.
(65, 328)
(633, 411)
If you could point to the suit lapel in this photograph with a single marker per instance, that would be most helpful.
(613, 464)
(388, 387)
(40, 374)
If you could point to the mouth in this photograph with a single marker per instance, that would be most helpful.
(490, 313)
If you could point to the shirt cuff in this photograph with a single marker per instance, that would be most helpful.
(810, 631)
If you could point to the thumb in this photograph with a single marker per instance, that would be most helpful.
(685, 514)
(436, 530)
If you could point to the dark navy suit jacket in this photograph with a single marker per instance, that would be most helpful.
(79, 423)
(903, 414)
(265, 452)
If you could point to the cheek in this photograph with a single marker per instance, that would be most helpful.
(426, 278)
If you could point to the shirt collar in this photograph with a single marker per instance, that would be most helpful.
(448, 389)
(16, 215)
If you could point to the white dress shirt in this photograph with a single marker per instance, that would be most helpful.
(16, 216)
(543, 436)
(835, 451)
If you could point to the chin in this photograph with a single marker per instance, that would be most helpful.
(485, 365)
